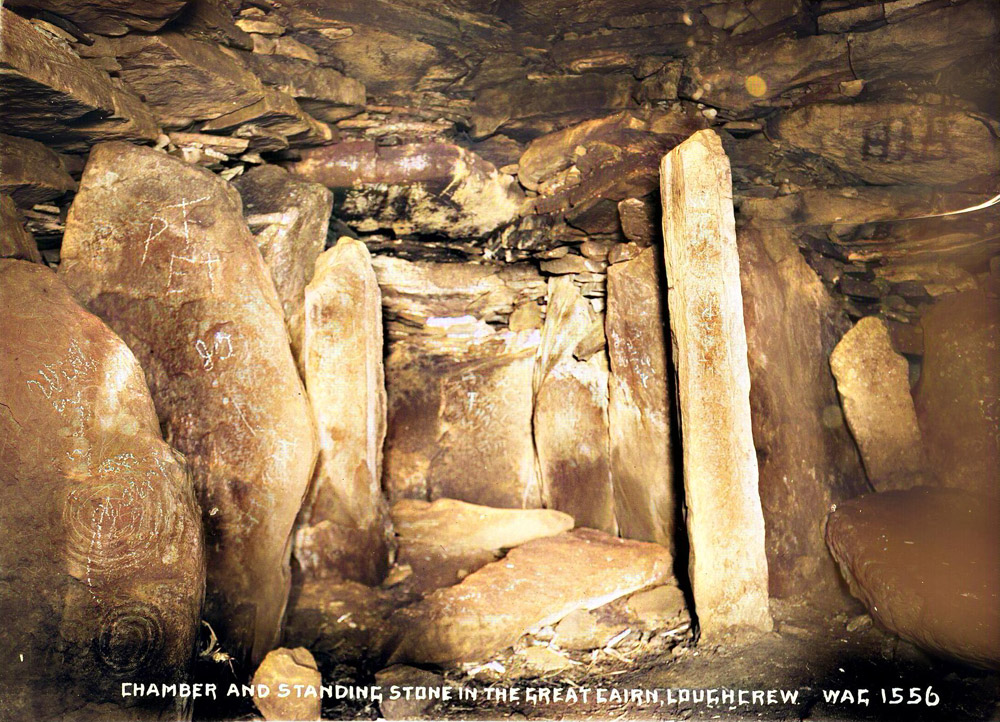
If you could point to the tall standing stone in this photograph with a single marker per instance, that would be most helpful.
(289, 219)
(159, 249)
(640, 400)
(102, 554)
(346, 528)
(725, 522)
(571, 410)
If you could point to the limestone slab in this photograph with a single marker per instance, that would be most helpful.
(159, 249)
(345, 381)
(873, 382)
(110, 17)
(30, 173)
(536, 584)
(724, 519)
(103, 556)
(640, 403)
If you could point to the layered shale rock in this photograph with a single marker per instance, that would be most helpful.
(926, 563)
(346, 528)
(724, 520)
(640, 403)
(15, 240)
(431, 188)
(289, 219)
(109, 17)
(103, 558)
(958, 395)
(445, 540)
(31, 173)
(806, 457)
(49, 93)
(874, 387)
(178, 276)
(570, 418)
(536, 584)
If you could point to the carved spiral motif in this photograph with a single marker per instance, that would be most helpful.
(131, 637)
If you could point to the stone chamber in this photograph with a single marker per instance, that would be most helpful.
(491, 346)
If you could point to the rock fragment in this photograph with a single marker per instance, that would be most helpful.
(102, 556)
(874, 386)
(15, 240)
(292, 667)
(725, 523)
(30, 173)
(179, 278)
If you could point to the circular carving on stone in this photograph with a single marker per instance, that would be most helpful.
(131, 637)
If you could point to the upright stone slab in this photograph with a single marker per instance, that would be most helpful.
(571, 410)
(289, 219)
(346, 529)
(725, 523)
(102, 556)
(159, 249)
(15, 240)
(874, 386)
(640, 400)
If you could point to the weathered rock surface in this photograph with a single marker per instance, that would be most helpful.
(406, 706)
(457, 407)
(289, 219)
(806, 458)
(536, 584)
(724, 519)
(571, 410)
(958, 395)
(15, 240)
(885, 142)
(640, 403)
(583, 629)
(180, 279)
(102, 556)
(109, 17)
(31, 173)
(874, 386)
(926, 563)
(322, 92)
(291, 667)
(434, 188)
(445, 540)
(275, 114)
(49, 93)
(346, 528)
(164, 68)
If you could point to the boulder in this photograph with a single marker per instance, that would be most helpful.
(103, 556)
(345, 521)
(295, 668)
(640, 403)
(873, 381)
(926, 563)
(570, 417)
(15, 240)
(958, 395)
(159, 249)
(445, 540)
(49, 93)
(724, 519)
(289, 219)
(406, 706)
(535, 585)
(806, 457)
(30, 173)
(429, 188)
